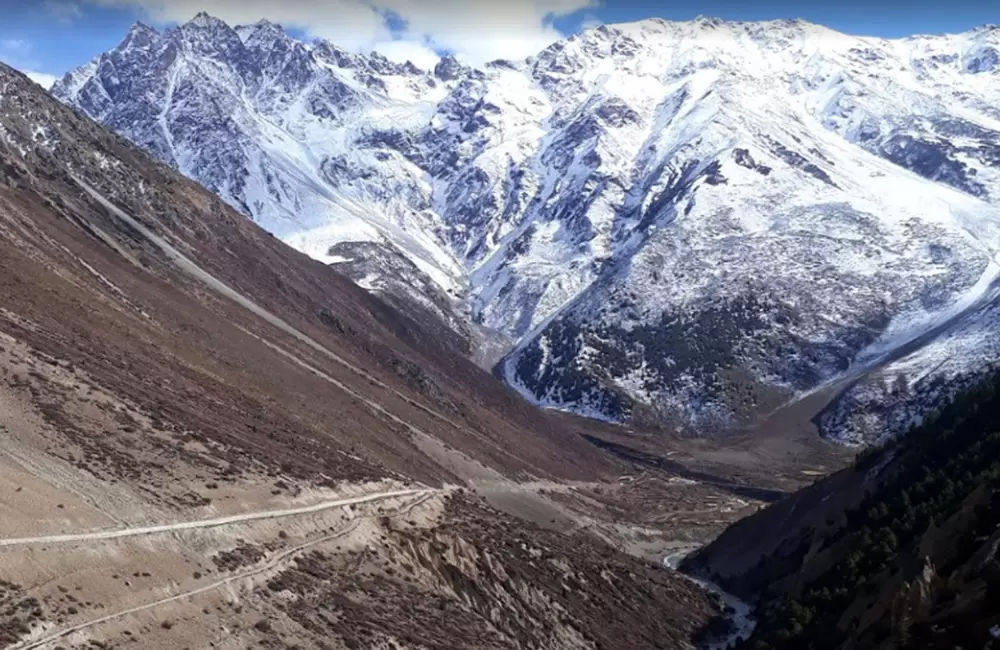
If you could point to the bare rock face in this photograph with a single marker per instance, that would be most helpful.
(913, 602)
(689, 222)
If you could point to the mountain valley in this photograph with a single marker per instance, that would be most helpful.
(307, 348)
(898, 551)
(211, 440)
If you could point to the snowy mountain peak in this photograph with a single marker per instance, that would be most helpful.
(203, 20)
(140, 29)
(988, 29)
(710, 22)
(208, 37)
(336, 55)
(449, 68)
(266, 25)
(140, 36)
(263, 34)
(679, 221)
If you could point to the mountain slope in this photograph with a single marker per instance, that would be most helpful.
(899, 551)
(684, 223)
(267, 123)
(86, 170)
(211, 440)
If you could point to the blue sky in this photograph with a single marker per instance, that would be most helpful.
(53, 36)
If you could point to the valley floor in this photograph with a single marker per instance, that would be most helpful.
(91, 564)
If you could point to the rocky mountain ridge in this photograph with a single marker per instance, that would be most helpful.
(687, 223)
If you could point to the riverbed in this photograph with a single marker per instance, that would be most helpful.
(741, 616)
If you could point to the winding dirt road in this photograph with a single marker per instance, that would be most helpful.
(208, 523)
(271, 564)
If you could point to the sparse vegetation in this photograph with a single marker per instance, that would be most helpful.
(563, 586)
(243, 555)
(18, 613)
(710, 348)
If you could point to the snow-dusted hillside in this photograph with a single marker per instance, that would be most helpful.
(917, 376)
(690, 222)
(289, 133)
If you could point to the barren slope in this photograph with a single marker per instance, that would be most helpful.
(210, 440)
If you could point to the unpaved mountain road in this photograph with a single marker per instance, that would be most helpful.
(272, 563)
(209, 523)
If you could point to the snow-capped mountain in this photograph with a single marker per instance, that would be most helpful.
(684, 222)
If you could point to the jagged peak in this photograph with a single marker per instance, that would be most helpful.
(448, 68)
(139, 35)
(411, 68)
(207, 34)
(265, 26)
(698, 23)
(262, 32)
(987, 30)
(324, 45)
(204, 20)
(140, 27)
(334, 53)
(710, 21)
(75, 79)
(716, 21)
(381, 64)
(264, 23)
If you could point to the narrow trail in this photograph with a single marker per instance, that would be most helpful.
(208, 523)
(270, 565)
(381, 410)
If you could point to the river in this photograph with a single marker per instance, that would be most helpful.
(740, 614)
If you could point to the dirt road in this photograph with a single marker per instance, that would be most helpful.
(272, 563)
(208, 523)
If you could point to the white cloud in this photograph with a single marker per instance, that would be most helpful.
(480, 31)
(43, 79)
(476, 30)
(590, 21)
